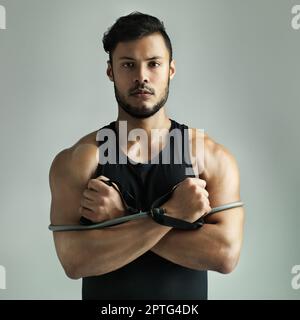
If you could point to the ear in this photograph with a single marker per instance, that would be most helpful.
(172, 69)
(109, 71)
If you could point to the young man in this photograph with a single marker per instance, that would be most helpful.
(143, 259)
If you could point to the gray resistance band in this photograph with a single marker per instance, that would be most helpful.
(139, 215)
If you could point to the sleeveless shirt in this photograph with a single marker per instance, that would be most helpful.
(149, 276)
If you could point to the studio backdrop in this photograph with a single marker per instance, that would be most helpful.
(237, 78)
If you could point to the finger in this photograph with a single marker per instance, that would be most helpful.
(201, 182)
(84, 211)
(102, 178)
(93, 184)
(107, 186)
(205, 192)
(86, 203)
(90, 194)
(97, 185)
(89, 214)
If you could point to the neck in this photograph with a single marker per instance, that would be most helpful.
(136, 150)
(159, 120)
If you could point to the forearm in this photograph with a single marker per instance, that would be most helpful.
(96, 252)
(200, 249)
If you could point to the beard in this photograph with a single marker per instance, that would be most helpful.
(141, 112)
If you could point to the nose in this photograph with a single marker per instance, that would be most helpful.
(141, 75)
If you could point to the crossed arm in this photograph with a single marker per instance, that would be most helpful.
(215, 246)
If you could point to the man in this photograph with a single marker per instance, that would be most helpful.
(143, 259)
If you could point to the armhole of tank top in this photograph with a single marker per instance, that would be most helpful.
(98, 169)
(186, 145)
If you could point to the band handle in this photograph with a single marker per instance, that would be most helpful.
(159, 216)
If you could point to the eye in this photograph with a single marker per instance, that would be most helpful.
(127, 64)
(154, 64)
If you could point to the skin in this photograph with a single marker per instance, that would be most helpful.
(75, 192)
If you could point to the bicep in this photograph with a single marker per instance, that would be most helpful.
(65, 191)
(223, 187)
(69, 175)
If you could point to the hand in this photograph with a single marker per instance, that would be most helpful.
(189, 200)
(100, 201)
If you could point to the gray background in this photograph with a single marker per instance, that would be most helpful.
(237, 78)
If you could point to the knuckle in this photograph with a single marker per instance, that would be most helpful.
(100, 213)
(100, 209)
(192, 185)
(85, 193)
(110, 191)
(201, 196)
(105, 201)
(203, 183)
(91, 183)
(189, 181)
(198, 193)
(198, 190)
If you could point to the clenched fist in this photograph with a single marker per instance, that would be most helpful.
(100, 202)
(189, 200)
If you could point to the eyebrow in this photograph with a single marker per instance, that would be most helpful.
(129, 58)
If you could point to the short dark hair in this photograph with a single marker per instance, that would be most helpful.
(132, 27)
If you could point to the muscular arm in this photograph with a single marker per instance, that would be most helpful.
(216, 246)
(94, 252)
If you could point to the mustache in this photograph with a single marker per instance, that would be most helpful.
(144, 89)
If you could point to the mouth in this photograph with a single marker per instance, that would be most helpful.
(142, 94)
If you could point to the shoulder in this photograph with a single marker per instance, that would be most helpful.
(77, 163)
(221, 173)
(218, 159)
(215, 160)
(219, 168)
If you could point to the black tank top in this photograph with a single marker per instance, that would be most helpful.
(149, 276)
